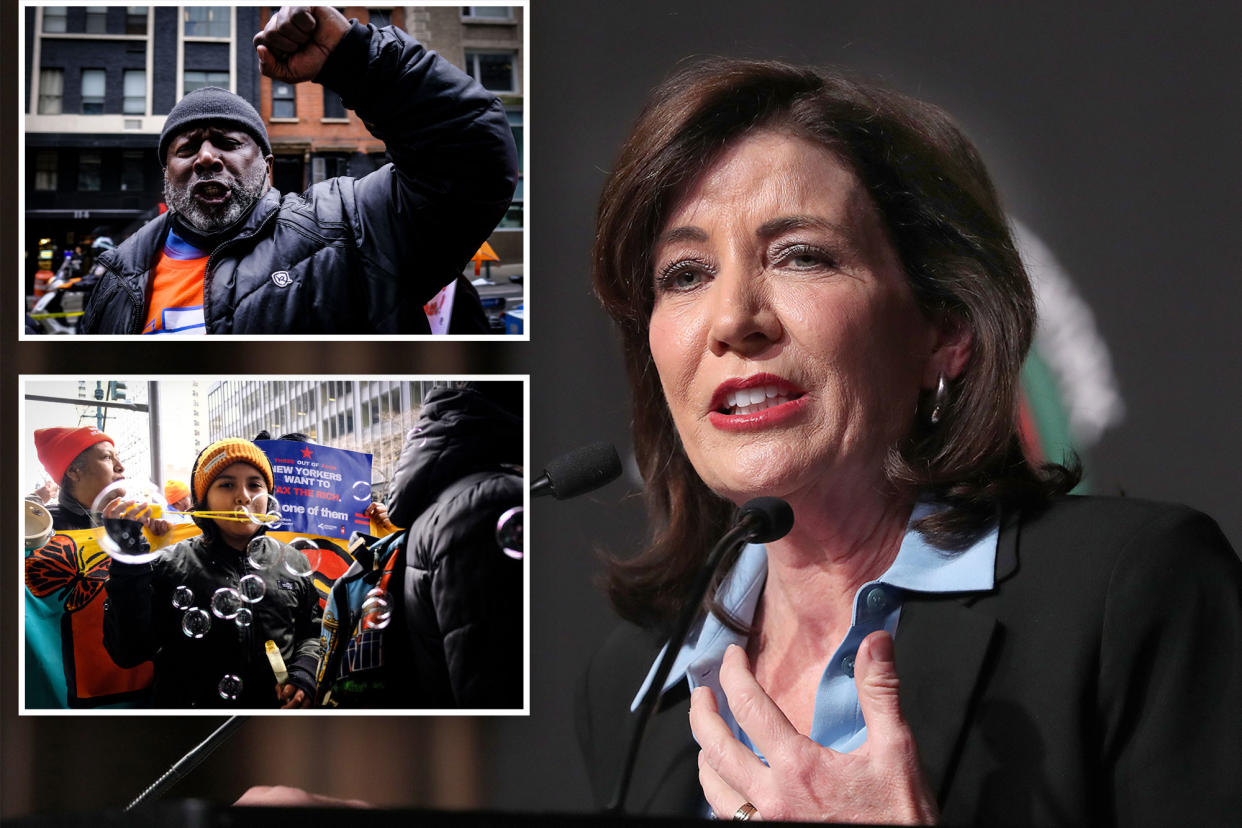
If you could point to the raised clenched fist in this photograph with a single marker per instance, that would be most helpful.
(296, 42)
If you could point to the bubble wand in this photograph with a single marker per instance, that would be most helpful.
(154, 511)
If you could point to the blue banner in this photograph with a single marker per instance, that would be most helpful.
(321, 490)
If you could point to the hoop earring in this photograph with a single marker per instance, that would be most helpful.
(939, 401)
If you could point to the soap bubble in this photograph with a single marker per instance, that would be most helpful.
(509, 530)
(230, 687)
(183, 597)
(121, 537)
(196, 622)
(251, 588)
(225, 603)
(265, 511)
(362, 491)
(301, 561)
(244, 617)
(376, 610)
(263, 552)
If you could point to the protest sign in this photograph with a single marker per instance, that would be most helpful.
(321, 490)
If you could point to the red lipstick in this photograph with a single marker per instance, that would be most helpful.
(731, 409)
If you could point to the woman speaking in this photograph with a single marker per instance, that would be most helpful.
(820, 300)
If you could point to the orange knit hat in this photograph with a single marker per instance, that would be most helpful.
(58, 447)
(220, 455)
(174, 490)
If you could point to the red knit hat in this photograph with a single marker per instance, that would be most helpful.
(58, 447)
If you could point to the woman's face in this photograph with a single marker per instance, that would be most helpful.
(787, 339)
(239, 486)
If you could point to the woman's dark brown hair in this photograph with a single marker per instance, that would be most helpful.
(946, 224)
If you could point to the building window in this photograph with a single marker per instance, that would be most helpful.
(88, 172)
(514, 215)
(284, 102)
(136, 20)
(45, 170)
(131, 171)
(56, 19)
(208, 21)
(333, 106)
(96, 19)
(135, 92)
(487, 13)
(51, 91)
(93, 81)
(380, 17)
(197, 80)
(324, 167)
(496, 71)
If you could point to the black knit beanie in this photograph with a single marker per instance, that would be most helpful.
(211, 103)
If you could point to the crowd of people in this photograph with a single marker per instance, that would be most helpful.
(230, 612)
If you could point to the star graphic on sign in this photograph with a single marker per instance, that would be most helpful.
(306, 452)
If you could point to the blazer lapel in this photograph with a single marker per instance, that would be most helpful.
(941, 646)
(666, 775)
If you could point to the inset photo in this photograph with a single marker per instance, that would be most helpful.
(255, 171)
(274, 545)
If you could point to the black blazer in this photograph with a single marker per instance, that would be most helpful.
(1099, 682)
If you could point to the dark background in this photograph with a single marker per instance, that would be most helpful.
(1112, 133)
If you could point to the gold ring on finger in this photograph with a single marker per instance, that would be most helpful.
(744, 812)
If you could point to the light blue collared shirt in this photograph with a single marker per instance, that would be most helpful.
(838, 722)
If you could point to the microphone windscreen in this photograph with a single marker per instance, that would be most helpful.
(771, 518)
(582, 470)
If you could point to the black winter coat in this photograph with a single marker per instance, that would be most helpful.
(68, 514)
(141, 623)
(456, 635)
(350, 256)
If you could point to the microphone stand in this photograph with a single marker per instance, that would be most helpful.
(749, 525)
(190, 761)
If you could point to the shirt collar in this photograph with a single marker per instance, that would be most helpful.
(920, 566)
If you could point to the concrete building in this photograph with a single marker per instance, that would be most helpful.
(487, 42)
(371, 416)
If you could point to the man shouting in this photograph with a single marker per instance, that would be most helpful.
(349, 256)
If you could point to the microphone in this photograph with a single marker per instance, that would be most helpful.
(190, 761)
(761, 520)
(769, 519)
(577, 472)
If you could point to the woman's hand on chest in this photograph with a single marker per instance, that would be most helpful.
(881, 782)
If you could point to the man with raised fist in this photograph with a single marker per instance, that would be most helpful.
(348, 256)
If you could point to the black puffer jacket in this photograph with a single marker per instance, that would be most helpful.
(68, 514)
(141, 623)
(351, 256)
(456, 635)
